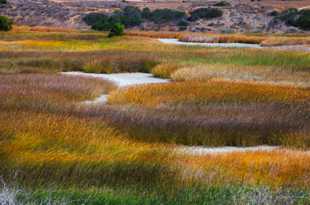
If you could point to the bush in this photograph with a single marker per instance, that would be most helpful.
(183, 24)
(146, 13)
(5, 23)
(303, 21)
(166, 15)
(205, 13)
(102, 26)
(3, 2)
(131, 16)
(294, 17)
(117, 29)
(222, 3)
(93, 18)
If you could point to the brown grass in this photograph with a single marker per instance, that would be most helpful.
(41, 91)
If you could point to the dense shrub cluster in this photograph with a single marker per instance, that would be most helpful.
(132, 16)
(3, 2)
(129, 17)
(116, 30)
(5, 23)
(166, 15)
(222, 3)
(205, 13)
(297, 18)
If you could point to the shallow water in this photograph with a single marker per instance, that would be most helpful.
(222, 45)
(123, 80)
(200, 151)
(174, 41)
(120, 79)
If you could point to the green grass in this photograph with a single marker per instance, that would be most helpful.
(230, 195)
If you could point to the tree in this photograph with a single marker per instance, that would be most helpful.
(102, 25)
(205, 13)
(303, 21)
(5, 23)
(117, 29)
(183, 24)
(294, 17)
(131, 16)
(93, 18)
(146, 13)
(222, 3)
(167, 15)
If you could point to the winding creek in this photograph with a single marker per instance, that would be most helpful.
(174, 41)
(123, 80)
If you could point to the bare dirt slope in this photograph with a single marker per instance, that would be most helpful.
(241, 16)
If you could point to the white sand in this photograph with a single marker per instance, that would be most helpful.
(123, 80)
(200, 151)
(120, 79)
(175, 41)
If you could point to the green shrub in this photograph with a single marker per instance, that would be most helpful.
(117, 29)
(297, 18)
(166, 15)
(93, 18)
(3, 2)
(222, 3)
(205, 13)
(5, 23)
(183, 24)
(131, 16)
(303, 21)
(146, 13)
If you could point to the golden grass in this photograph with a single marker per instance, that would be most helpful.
(283, 168)
(207, 92)
(164, 70)
(264, 40)
(42, 29)
(47, 142)
(279, 41)
(258, 74)
(47, 148)
(154, 34)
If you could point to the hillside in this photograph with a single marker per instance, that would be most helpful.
(238, 16)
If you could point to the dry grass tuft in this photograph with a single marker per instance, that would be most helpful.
(282, 168)
(164, 70)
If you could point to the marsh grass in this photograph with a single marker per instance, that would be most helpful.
(232, 195)
(282, 168)
(214, 113)
(123, 153)
(208, 92)
(50, 92)
(254, 74)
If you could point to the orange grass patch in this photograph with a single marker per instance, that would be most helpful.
(49, 148)
(282, 168)
(207, 92)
